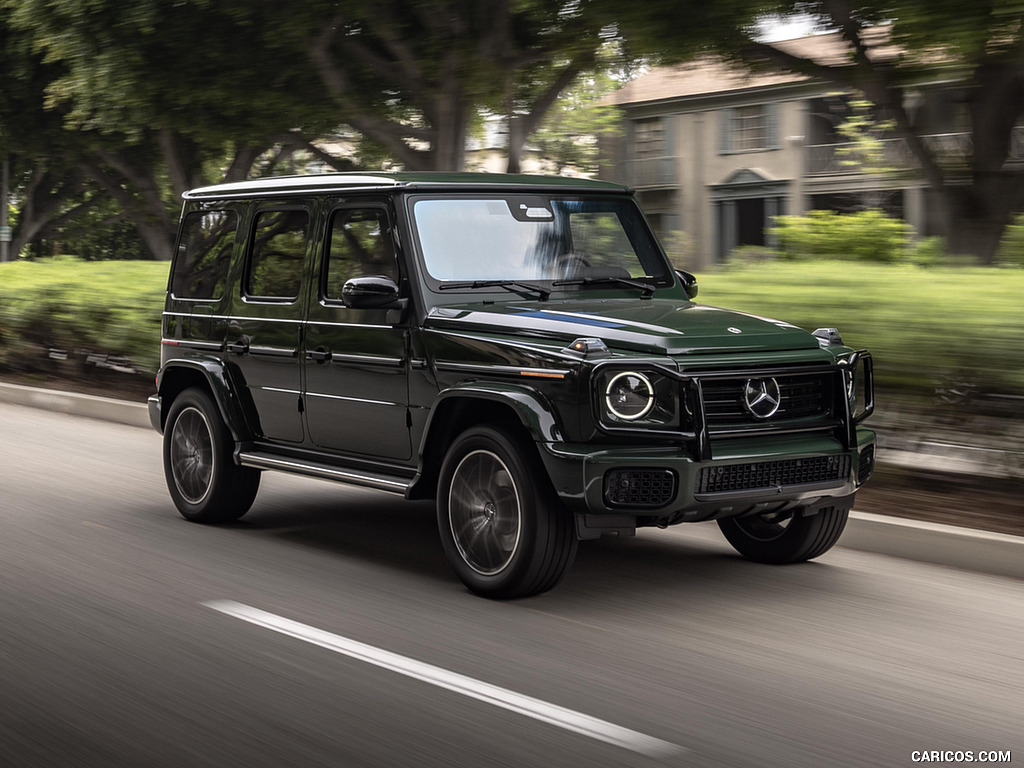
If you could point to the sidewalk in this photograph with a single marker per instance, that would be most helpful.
(967, 549)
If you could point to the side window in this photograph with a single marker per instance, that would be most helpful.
(360, 244)
(277, 254)
(204, 255)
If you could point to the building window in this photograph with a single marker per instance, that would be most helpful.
(749, 129)
(653, 163)
(650, 138)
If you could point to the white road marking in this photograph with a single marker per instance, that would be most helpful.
(452, 681)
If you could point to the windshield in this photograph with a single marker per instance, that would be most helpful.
(528, 237)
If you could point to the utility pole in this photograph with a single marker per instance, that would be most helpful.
(5, 230)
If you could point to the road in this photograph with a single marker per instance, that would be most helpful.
(325, 629)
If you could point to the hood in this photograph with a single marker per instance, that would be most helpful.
(654, 326)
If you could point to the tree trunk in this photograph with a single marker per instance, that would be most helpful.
(516, 142)
(43, 198)
(977, 215)
(139, 197)
(449, 119)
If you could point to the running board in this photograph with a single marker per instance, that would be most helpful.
(325, 472)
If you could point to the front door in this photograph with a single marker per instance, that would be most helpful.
(265, 327)
(356, 362)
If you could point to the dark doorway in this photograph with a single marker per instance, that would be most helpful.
(750, 221)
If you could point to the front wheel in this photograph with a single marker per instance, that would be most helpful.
(205, 483)
(502, 527)
(785, 537)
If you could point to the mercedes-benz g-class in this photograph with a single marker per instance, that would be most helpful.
(518, 348)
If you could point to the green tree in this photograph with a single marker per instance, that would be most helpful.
(49, 187)
(157, 97)
(412, 76)
(569, 135)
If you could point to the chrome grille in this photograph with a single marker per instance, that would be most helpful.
(803, 396)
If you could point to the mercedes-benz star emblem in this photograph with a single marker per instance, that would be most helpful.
(761, 398)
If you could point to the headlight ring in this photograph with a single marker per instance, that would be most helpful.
(629, 396)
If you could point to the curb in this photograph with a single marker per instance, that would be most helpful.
(75, 404)
(997, 554)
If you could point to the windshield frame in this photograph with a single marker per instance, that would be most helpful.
(636, 227)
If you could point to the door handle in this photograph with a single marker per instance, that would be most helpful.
(318, 355)
(239, 347)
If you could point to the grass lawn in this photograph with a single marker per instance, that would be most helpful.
(923, 325)
(111, 307)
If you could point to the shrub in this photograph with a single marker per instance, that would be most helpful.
(929, 252)
(1011, 249)
(862, 236)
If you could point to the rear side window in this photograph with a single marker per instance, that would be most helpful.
(204, 255)
(277, 255)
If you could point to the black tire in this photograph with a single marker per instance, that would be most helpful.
(202, 477)
(785, 537)
(502, 527)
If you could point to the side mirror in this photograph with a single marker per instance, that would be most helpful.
(370, 292)
(689, 282)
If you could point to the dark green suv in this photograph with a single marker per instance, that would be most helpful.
(518, 348)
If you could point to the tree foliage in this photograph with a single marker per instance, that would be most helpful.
(569, 135)
(136, 102)
(411, 75)
(151, 96)
(158, 96)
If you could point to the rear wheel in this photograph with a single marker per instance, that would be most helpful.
(785, 537)
(502, 527)
(205, 483)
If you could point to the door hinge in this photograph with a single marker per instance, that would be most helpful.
(302, 406)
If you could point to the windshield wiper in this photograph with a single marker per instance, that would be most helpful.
(526, 290)
(647, 288)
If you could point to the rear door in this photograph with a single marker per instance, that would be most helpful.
(356, 360)
(265, 327)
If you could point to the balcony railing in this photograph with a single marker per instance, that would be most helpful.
(653, 172)
(951, 150)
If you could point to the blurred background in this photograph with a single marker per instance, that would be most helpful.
(837, 163)
(857, 165)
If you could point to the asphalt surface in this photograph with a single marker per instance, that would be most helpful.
(326, 629)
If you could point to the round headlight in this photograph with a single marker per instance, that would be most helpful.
(629, 396)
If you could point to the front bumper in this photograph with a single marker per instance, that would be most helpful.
(742, 477)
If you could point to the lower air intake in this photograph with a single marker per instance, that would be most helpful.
(639, 487)
(773, 474)
(867, 465)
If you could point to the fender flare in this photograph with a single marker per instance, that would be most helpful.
(531, 409)
(216, 378)
(534, 411)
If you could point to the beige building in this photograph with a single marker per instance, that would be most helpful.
(715, 152)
